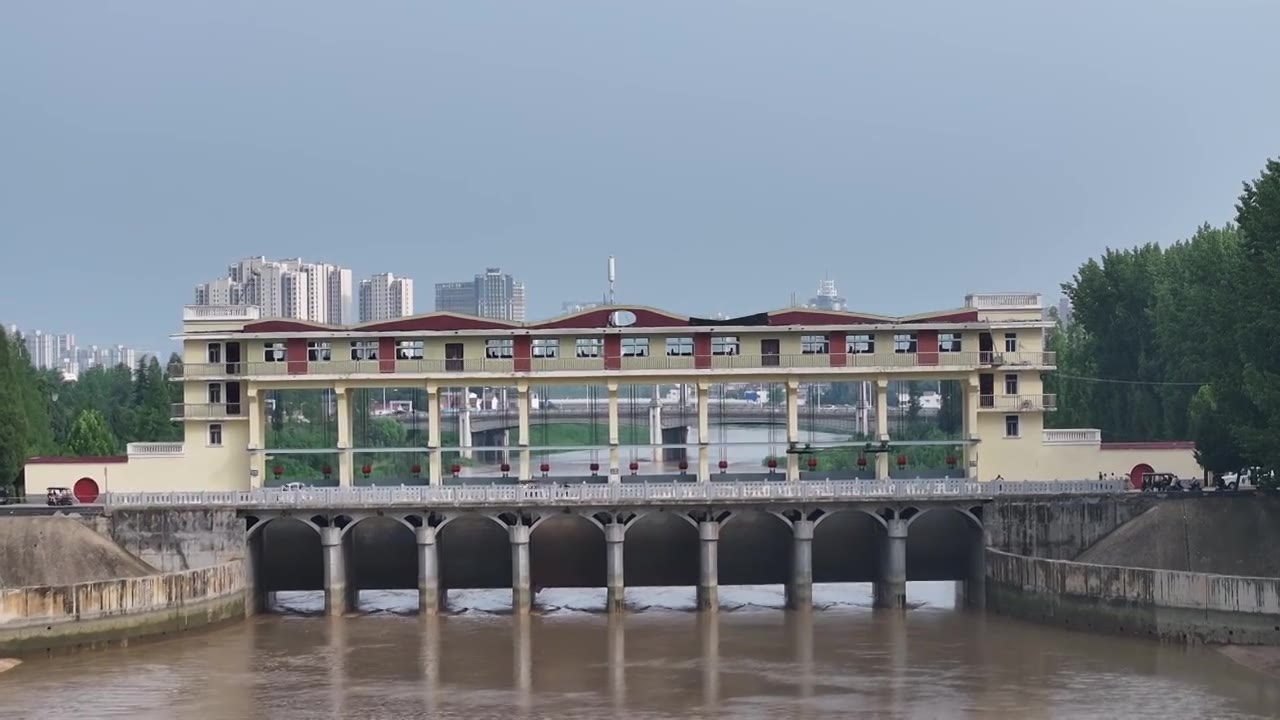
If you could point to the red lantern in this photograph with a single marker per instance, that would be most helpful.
(683, 465)
(723, 465)
(772, 463)
(595, 468)
(545, 468)
(902, 461)
(951, 461)
(366, 469)
(278, 471)
(813, 462)
(327, 470)
(862, 461)
(455, 468)
(633, 467)
(506, 468)
(416, 470)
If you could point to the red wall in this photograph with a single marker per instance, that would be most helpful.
(927, 347)
(613, 352)
(837, 349)
(702, 350)
(295, 355)
(524, 353)
(387, 354)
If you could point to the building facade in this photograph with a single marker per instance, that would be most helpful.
(315, 292)
(385, 297)
(993, 346)
(494, 295)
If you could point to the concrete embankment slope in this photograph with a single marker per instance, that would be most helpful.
(60, 551)
(1228, 535)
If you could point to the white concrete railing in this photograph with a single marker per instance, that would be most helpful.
(1003, 301)
(615, 493)
(1073, 436)
(220, 312)
(154, 449)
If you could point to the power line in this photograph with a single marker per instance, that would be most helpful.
(1130, 382)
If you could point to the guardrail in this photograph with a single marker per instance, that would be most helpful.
(207, 411)
(154, 449)
(612, 494)
(1018, 403)
(1072, 436)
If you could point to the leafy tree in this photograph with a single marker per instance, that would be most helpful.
(13, 422)
(1216, 449)
(1258, 216)
(90, 436)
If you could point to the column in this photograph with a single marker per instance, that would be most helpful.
(655, 427)
(792, 391)
(257, 440)
(428, 570)
(521, 587)
(708, 565)
(617, 664)
(800, 588)
(971, 404)
(346, 458)
(613, 537)
(464, 429)
(525, 471)
(973, 590)
(704, 432)
(882, 427)
(436, 462)
(255, 596)
(335, 572)
(615, 468)
(891, 589)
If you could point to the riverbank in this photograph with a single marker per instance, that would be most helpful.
(9, 664)
(1255, 657)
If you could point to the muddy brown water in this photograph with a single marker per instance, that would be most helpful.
(660, 660)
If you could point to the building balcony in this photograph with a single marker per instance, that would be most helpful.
(207, 411)
(1018, 403)
(806, 363)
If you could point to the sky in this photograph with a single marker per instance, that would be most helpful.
(727, 153)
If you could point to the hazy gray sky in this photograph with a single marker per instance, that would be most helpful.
(728, 153)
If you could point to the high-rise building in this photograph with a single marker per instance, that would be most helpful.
(385, 297)
(828, 298)
(318, 292)
(491, 295)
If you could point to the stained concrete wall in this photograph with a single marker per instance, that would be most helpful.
(1059, 527)
(172, 540)
(1165, 604)
(46, 619)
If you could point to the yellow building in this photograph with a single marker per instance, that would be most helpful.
(994, 346)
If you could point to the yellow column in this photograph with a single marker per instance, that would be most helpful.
(704, 432)
(346, 458)
(615, 471)
(435, 466)
(522, 412)
(882, 426)
(792, 391)
(257, 439)
(971, 405)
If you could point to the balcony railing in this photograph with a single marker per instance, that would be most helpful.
(955, 361)
(220, 312)
(1018, 403)
(1073, 436)
(154, 449)
(1003, 301)
(207, 411)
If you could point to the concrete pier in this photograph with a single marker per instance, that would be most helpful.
(800, 587)
(708, 565)
(616, 588)
(521, 585)
(336, 595)
(428, 570)
(891, 589)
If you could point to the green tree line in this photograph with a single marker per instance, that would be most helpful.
(1182, 342)
(98, 414)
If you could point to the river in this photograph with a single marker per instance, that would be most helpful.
(660, 660)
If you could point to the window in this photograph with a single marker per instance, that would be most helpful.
(1011, 342)
(408, 349)
(273, 352)
(546, 347)
(1011, 426)
(949, 342)
(904, 343)
(215, 393)
(215, 435)
(635, 347)
(215, 353)
(589, 347)
(319, 351)
(864, 344)
(500, 348)
(813, 344)
(1010, 384)
(364, 349)
(679, 346)
(726, 345)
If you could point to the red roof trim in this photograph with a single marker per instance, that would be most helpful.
(599, 318)
(1152, 445)
(88, 460)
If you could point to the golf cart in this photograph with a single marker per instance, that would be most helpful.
(59, 496)
(1166, 482)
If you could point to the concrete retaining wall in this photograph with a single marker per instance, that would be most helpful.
(46, 619)
(1059, 527)
(171, 540)
(1164, 604)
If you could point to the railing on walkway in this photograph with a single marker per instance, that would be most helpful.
(1072, 436)
(535, 494)
(154, 449)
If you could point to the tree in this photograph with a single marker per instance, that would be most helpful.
(90, 436)
(1216, 449)
(13, 422)
(1258, 216)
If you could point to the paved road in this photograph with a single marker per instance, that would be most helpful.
(29, 509)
